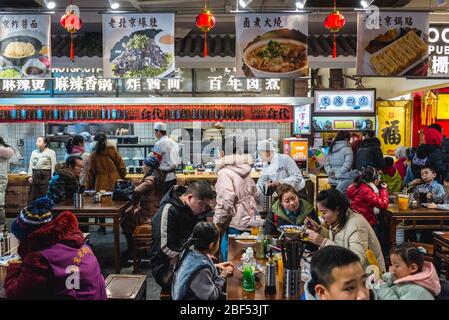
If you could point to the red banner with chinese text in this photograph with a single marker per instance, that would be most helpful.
(146, 113)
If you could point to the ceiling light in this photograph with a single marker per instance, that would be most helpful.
(244, 3)
(440, 3)
(366, 3)
(114, 4)
(50, 4)
(300, 4)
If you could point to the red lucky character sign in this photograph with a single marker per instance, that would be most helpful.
(205, 21)
(71, 22)
(334, 22)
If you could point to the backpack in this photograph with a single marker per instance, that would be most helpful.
(123, 191)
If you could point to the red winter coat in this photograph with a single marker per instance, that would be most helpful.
(364, 200)
(401, 166)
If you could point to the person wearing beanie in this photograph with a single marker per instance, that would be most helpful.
(430, 154)
(148, 194)
(56, 263)
(277, 168)
(168, 151)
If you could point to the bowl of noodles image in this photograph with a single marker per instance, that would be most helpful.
(18, 49)
(277, 57)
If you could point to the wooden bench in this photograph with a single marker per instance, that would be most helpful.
(441, 252)
(142, 239)
(126, 287)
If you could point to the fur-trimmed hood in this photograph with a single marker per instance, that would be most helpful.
(63, 228)
(239, 163)
(6, 153)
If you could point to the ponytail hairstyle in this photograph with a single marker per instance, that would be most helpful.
(366, 175)
(74, 141)
(410, 254)
(335, 201)
(341, 136)
(101, 143)
(203, 235)
(3, 143)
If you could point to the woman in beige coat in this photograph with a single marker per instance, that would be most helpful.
(236, 209)
(346, 228)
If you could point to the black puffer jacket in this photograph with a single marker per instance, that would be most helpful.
(445, 150)
(369, 153)
(172, 226)
(431, 156)
(62, 185)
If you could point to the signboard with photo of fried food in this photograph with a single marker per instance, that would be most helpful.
(271, 45)
(392, 44)
(25, 50)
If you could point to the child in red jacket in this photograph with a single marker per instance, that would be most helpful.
(368, 194)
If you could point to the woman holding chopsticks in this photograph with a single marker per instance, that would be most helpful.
(347, 228)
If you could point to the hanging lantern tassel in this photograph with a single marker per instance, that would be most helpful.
(205, 21)
(334, 49)
(72, 48)
(334, 22)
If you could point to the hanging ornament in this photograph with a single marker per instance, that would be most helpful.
(71, 22)
(205, 21)
(334, 22)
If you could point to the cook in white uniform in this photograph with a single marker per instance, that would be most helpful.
(277, 168)
(168, 151)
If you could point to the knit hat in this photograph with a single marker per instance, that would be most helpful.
(433, 136)
(32, 217)
(266, 145)
(151, 161)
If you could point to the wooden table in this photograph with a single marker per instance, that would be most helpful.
(413, 215)
(441, 250)
(13, 250)
(234, 282)
(99, 210)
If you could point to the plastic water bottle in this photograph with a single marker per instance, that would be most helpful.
(260, 248)
(249, 267)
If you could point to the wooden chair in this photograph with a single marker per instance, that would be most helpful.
(429, 249)
(126, 287)
(142, 239)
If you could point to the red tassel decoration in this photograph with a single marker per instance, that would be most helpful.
(72, 49)
(334, 49)
(205, 45)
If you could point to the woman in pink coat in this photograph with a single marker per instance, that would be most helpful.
(236, 209)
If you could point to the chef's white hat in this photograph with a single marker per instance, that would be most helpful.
(160, 126)
(266, 145)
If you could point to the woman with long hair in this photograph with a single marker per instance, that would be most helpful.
(75, 147)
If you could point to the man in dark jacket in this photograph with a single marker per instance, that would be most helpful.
(444, 143)
(369, 152)
(65, 181)
(174, 222)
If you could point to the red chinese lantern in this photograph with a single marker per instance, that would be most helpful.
(71, 22)
(205, 21)
(334, 22)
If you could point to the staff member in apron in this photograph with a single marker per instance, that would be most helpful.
(41, 168)
(168, 151)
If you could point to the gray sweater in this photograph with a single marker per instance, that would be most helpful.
(340, 162)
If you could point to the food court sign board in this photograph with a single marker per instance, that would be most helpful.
(138, 45)
(344, 101)
(271, 45)
(25, 50)
(392, 44)
(439, 50)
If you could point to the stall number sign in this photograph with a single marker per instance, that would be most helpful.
(350, 101)
(439, 50)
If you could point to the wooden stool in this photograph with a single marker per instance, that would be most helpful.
(441, 252)
(142, 238)
(126, 287)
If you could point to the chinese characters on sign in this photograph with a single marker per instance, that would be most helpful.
(391, 131)
(235, 84)
(438, 50)
(23, 85)
(302, 120)
(348, 101)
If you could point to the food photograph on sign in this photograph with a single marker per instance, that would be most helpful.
(271, 45)
(343, 123)
(138, 45)
(25, 50)
(392, 44)
(347, 101)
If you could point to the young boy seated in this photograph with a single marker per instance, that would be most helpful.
(336, 274)
(434, 192)
(444, 203)
(390, 175)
